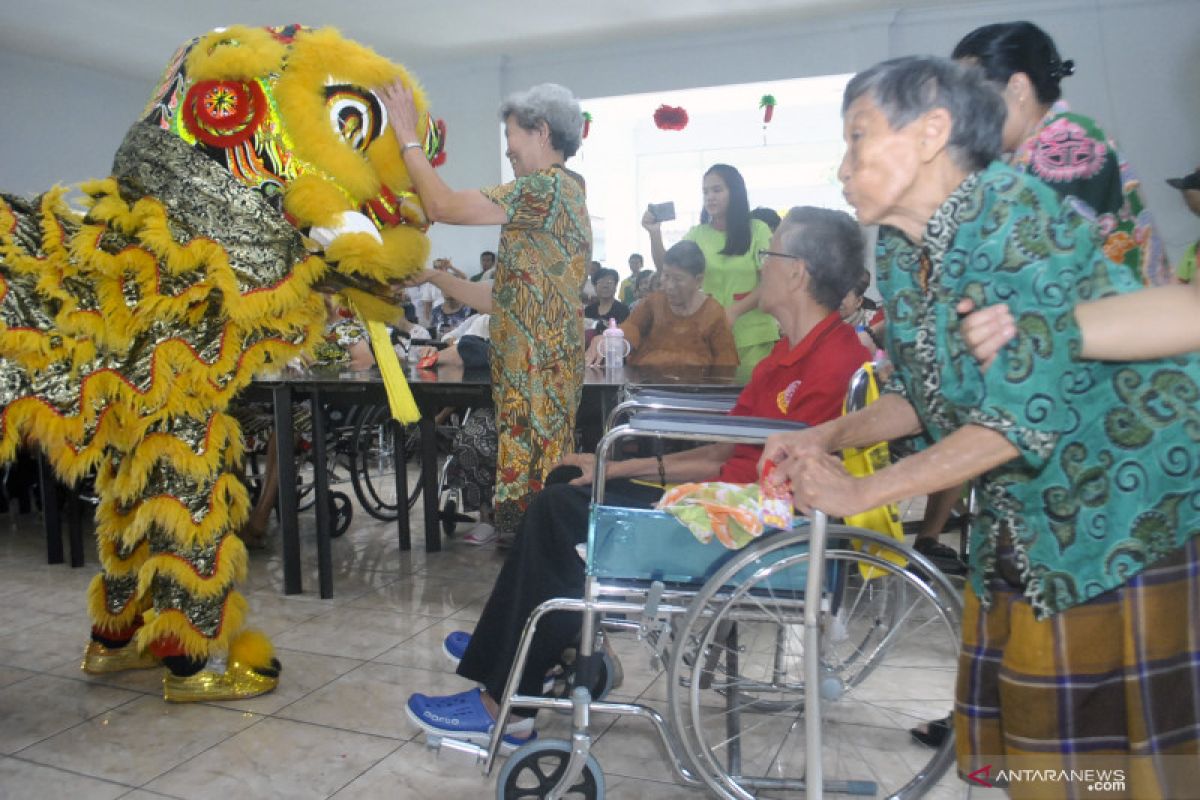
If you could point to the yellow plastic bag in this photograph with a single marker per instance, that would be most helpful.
(861, 462)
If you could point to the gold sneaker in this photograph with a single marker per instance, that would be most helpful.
(238, 682)
(98, 659)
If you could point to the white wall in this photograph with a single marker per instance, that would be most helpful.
(60, 123)
(472, 148)
(1138, 63)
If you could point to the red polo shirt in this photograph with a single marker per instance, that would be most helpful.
(805, 383)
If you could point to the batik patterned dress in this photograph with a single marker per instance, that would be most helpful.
(537, 330)
(1072, 154)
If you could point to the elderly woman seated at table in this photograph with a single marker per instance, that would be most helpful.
(606, 306)
(1081, 632)
(804, 378)
(679, 325)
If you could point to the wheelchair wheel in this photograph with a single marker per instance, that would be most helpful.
(535, 768)
(373, 464)
(343, 513)
(889, 647)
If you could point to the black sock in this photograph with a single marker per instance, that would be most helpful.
(111, 644)
(184, 666)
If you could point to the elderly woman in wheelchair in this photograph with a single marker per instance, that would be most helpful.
(816, 256)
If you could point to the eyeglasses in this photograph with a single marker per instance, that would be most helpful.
(761, 256)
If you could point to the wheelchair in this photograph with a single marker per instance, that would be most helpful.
(794, 666)
(341, 420)
(373, 463)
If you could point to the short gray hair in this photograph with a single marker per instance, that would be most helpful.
(552, 104)
(905, 88)
(686, 255)
(831, 244)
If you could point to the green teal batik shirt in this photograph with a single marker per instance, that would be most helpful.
(1107, 478)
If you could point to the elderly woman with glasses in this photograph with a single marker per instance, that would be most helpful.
(545, 243)
(1081, 631)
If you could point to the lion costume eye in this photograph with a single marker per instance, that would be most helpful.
(355, 114)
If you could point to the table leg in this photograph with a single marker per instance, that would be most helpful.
(75, 527)
(51, 520)
(402, 526)
(429, 479)
(285, 462)
(321, 496)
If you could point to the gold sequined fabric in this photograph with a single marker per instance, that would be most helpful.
(119, 352)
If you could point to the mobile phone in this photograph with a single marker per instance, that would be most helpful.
(663, 212)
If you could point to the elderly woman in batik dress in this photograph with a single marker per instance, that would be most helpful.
(545, 243)
(1081, 629)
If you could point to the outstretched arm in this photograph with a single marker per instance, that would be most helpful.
(441, 203)
(889, 417)
(820, 481)
(1150, 323)
(654, 228)
(477, 294)
(697, 464)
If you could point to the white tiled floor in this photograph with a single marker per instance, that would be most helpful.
(335, 727)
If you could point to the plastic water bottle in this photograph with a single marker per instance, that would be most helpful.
(614, 346)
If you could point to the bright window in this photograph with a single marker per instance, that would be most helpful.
(629, 163)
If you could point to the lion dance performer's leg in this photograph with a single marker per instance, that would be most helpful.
(144, 413)
(167, 512)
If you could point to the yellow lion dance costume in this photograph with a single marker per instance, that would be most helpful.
(125, 332)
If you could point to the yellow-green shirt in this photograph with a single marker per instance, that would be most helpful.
(728, 277)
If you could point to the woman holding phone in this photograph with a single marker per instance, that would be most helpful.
(730, 241)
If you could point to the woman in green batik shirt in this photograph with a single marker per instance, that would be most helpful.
(1080, 625)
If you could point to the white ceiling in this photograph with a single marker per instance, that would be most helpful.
(135, 37)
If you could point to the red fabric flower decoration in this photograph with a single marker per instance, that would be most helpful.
(670, 118)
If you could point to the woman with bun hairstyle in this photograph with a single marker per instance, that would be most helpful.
(1068, 151)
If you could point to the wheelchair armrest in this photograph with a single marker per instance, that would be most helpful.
(639, 400)
(754, 429)
(695, 427)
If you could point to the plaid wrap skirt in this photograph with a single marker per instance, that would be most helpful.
(1099, 701)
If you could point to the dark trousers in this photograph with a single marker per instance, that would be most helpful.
(541, 565)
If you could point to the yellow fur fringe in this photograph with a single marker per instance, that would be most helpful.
(228, 506)
(314, 200)
(238, 52)
(160, 625)
(98, 612)
(230, 567)
(114, 565)
(252, 648)
(301, 99)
